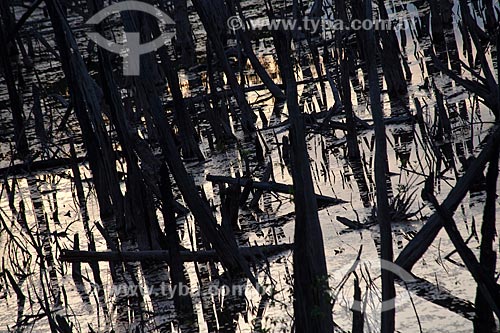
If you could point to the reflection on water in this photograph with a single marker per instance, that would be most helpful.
(437, 126)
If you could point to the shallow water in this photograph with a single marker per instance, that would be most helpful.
(409, 159)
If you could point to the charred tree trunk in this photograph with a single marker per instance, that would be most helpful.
(391, 57)
(218, 115)
(39, 122)
(352, 136)
(207, 12)
(80, 194)
(148, 93)
(484, 320)
(436, 21)
(183, 303)
(312, 307)
(182, 118)
(246, 43)
(184, 35)
(48, 262)
(381, 171)
(86, 97)
(14, 98)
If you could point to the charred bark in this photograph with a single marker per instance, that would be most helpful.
(207, 12)
(184, 34)
(14, 97)
(485, 321)
(312, 306)
(381, 171)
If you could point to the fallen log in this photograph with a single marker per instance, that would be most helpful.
(250, 253)
(254, 203)
(485, 283)
(37, 166)
(271, 186)
(416, 248)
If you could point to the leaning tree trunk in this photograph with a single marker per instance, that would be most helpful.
(312, 307)
(207, 13)
(246, 43)
(14, 98)
(86, 97)
(182, 118)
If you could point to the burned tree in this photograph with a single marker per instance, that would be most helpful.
(381, 171)
(312, 307)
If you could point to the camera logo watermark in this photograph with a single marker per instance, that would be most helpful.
(132, 48)
(376, 266)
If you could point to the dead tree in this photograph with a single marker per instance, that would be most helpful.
(254, 253)
(182, 118)
(391, 57)
(246, 43)
(217, 111)
(484, 320)
(146, 90)
(381, 171)
(352, 136)
(310, 271)
(183, 303)
(14, 97)
(84, 215)
(47, 262)
(416, 248)
(184, 34)
(86, 97)
(207, 13)
(270, 186)
(436, 21)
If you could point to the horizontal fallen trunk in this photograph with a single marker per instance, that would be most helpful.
(163, 255)
(271, 186)
(37, 166)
